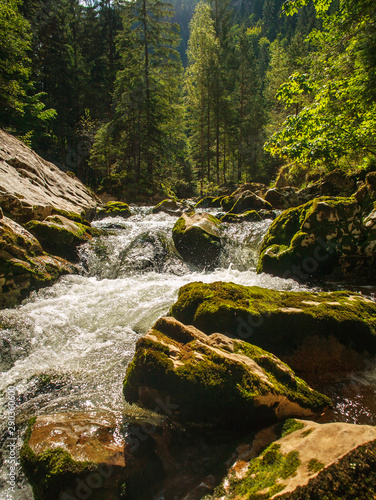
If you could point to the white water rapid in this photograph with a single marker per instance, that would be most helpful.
(68, 346)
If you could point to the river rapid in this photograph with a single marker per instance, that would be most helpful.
(67, 347)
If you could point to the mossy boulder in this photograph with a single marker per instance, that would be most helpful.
(312, 332)
(171, 207)
(61, 236)
(250, 216)
(303, 463)
(244, 201)
(324, 237)
(197, 238)
(282, 198)
(23, 264)
(113, 209)
(74, 455)
(214, 380)
(209, 202)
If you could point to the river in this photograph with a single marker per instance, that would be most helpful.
(67, 347)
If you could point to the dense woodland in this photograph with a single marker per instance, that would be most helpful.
(141, 95)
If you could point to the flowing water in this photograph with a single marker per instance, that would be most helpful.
(67, 347)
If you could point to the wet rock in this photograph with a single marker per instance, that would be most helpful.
(244, 201)
(61, 236)
(214, 380)
(197, 238)
(309, 460)
(31, 188)
(23, 264)
(324, 237)
(113, 209)
(311, 332)
(282, 198)
(250, 216)
(209, 202)
(74, 455)
(171, 207)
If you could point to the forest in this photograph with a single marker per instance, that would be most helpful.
(140, 96)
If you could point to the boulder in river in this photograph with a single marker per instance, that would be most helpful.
(197, 238)
(311, 332)
(33, 188)
(61, 236)
(324, 237)
(74, 455)
(23, 264)
(244, 201)
(250, 216)
(308, 461)
(214, 380)
(171, 207)
(113, 209)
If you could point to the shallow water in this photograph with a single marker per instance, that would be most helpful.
(68, 346)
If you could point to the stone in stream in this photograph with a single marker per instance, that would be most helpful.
(61, 236)
(214, 380)
(325, 237)
(308, 461)
(244, 201)
(23, 264)
(113, 209)
(74, 455)
(33, 188)
(311, 332)
(197, 238)
(171, 207)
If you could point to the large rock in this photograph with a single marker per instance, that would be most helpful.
(32, 188)
(113, 209)
(23, 264)
(311, 332)
(74, 455)
(324, 237)
(197, 238)
(244, 201)
(61, 236)
(214, 380)
(309, 461)
(171, 207)
(282, 198)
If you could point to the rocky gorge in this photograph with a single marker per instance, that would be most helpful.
(191, 350)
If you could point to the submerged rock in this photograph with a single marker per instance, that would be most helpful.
(214, 380)
(61, 236)
(309, 460)
(32, 188)
(311, 332)
(324, 237)
(74, 455)
(23, 264)
(197, 238)
(113, 209)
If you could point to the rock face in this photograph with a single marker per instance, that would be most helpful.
(23, 264)
(304, 463)
(311, 332)
(213, 379)
(61, 236)
(114, 209)
(73, 455)
(324, 237)
(197, 238)
(32, 188)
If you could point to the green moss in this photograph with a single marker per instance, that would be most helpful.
(250, 216)
(265, 474)
(290, 425)
(277, 321)
(49, 472)
(73, 216)
(315, 465)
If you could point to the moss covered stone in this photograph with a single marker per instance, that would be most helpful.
(197, 238)
(289, 468)
(313, 332)
(324, 237)
(213, 379)
(250, 216)
(171, 207)
(113, 209)
(61, 236)
(23, 264)
(209, 202)
(74, 456)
